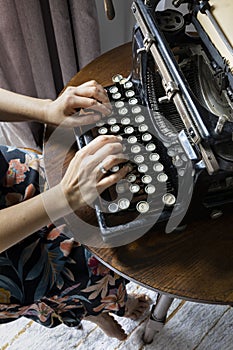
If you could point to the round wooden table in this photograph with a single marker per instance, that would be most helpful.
(196, 264)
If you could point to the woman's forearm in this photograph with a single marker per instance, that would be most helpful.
(15, 107)
(21, 220)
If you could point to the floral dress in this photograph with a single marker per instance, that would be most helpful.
(49, 277)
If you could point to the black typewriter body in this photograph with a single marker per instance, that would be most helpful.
(174, 113)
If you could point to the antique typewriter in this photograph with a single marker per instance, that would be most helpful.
(174, 113)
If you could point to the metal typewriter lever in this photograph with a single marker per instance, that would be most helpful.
(109, 9)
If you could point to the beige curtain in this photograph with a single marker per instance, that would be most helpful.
(43, 44)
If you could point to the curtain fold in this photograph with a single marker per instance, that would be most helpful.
(34, 62)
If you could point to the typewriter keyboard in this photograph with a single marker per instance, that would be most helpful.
(148, 194)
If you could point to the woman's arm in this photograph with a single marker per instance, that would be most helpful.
(81, 184)
(15, 107)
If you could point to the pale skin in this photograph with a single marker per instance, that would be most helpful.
(83, 174)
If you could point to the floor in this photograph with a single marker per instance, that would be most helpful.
(189, 326)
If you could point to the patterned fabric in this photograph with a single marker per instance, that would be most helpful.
(49, 277)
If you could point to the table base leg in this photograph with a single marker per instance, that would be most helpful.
(157, 318)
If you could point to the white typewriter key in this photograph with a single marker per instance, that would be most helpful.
(132, 139)
(123, 81)
(142, 207)
(121, 187)
(142, 168)
(128, 85)
(158, 167)
(162, 177)
(125, 121)
(116, 96)
(122, 111)
(100, 123)
(113, 89)
(150, 189)
(131, 177)
(181, 172)
(111, 121)
(135, 149)
(139, 118)
(177, 161)
(146, 137)
(123, 203)
(117, 78)
(150, 147)
(113, 208)
(146, 179)
(102, 131)
(129, 93)
(171, 152)
(154, 157)
(133, 101)
(136, 109)
(139, 159)
(115, 128)
(115, 168)
(169, 199)
(129, 130)
(134, 188)
(143, 127)
(119, 104)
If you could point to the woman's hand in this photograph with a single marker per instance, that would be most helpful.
(80, 105)
(85, 179)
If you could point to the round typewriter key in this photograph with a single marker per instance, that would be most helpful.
(128, 85)
(129, 93)
(158, 167)
(142, 207)
(123, 203)
(100, 123)
(146, 137)
(162, 177)
(132, 139)
(125, 121)
(150, 147)
(150, 189)
(139, 118)
(181, 172)
(102, 131)
(122, 111)
(146, 179)
(136, 109)
(133, 101)
(171, 152)
(135, 149)
(113, 89)
(169, 199)
(119, 104)
(116, 96)
(111, 121)
(131, 177)
(113, 207)
(134, 188)
(154, 157)
(139, 159)
(142, 168)
(122, 186)
(115, 168)
(123, 81)
(128, 130)
(115, 128)
(117, 78)
(177, 161)
(143, 127)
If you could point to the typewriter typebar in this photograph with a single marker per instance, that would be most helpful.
(174, 113)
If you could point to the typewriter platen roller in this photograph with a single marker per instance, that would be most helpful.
(174, 113)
